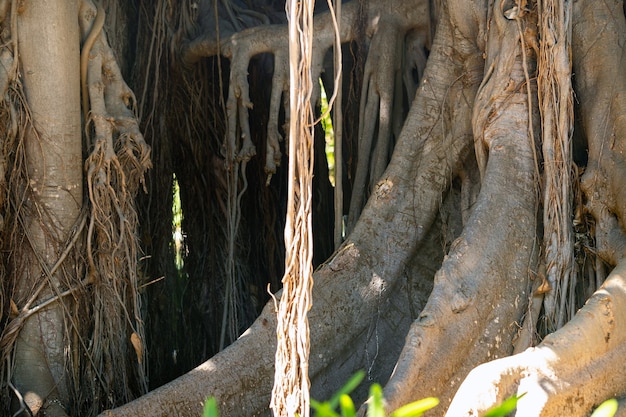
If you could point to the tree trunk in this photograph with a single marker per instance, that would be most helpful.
(48, 51)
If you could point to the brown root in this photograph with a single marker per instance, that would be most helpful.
(114, 171)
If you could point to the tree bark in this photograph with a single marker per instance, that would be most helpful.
(572, 371)
(48, 50)
(602, 89)
(482, 287)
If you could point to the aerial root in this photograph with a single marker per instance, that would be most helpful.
(385, 81)
(114, 169)
(280, 84)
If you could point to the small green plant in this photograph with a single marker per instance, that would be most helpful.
(342, 400)
(375, 407)
(326, 408)
(415, 409)
(505, 408)
(210, 408)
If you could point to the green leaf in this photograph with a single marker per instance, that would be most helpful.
(376, 406)
(347, 406)
(210, 408)
(505, 408)
(606, 409)
(315, 404)
(323, 409)
(349, 386)
(416, 409)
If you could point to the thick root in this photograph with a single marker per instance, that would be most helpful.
(572, 371)
(481, 290)
(114, 170)
(376, 114)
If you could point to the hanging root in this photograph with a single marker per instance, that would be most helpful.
(376, 113)
(242, 46)
(8, 76)
(557, 111)
(118, 158)
(290, 394)
(12, 316)
(238, 147)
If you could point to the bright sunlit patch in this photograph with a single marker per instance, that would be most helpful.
(384, 187)
(377, 284)
(329, 134)
(177, 225)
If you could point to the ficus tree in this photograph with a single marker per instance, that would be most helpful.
(70, 300)
(483, 206)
